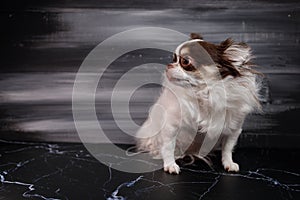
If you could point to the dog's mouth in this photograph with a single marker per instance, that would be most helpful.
(171, 78)
(177, 81)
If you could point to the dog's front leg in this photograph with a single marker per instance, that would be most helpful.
(167, 152)
(228, 144)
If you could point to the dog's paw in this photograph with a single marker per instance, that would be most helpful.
(231, 166)
(172, 169)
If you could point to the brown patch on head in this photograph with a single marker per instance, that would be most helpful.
(196, 36)
(216, 52)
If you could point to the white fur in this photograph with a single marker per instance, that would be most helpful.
(239, 54)
(189, 110)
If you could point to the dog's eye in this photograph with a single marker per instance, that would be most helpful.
(174, 58)
(186, 64)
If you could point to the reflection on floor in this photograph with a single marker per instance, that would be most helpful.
(69, 171)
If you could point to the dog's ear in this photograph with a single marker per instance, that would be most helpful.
(196, 36)
(238, 54)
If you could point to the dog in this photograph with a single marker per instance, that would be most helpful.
(208, 90)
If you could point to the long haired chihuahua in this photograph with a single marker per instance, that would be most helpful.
(208, 91)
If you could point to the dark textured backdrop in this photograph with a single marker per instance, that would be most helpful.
(44, 42)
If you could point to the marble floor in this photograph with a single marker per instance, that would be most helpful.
(68, 171)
